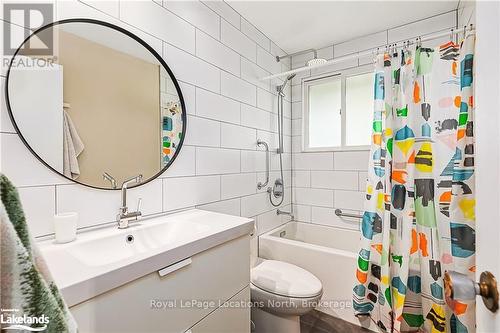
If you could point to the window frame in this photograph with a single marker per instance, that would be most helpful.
(341, 75)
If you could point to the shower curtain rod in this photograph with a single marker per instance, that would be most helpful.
(450, 33)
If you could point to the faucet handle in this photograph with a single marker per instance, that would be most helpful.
(139, 205)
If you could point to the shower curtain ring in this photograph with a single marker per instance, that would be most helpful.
(451, 34)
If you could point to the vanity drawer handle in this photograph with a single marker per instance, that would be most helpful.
(174, 267)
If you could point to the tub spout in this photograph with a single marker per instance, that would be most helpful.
(282, 212)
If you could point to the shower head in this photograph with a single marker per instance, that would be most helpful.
(315, 61)
(283, 85)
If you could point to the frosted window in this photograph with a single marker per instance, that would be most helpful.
(359, 109)
(324, 114)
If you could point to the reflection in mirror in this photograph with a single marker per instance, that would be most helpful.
(101, 108)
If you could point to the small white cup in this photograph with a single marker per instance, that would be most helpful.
(65, 227)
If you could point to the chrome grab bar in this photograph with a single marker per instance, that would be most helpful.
(260, 185)
(339, 213)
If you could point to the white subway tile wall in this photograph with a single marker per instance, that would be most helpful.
(225, 11)
(198, 15)
(202, 132)
(251, 72)
(254, 34)
(218, 58)
(238, 41)
(325, 181)
(41, 209)
(313, 196)
(238, 185)
(238, 137)
(238, 89)
(163, 24)
(214, 52)
(192, 70)
(212, 161)
(217, 107)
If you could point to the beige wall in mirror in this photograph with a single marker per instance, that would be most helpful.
(114, 103)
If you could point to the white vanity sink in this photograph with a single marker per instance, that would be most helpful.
(102, 259)
(112, 246)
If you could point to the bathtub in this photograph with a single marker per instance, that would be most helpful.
(330, 253)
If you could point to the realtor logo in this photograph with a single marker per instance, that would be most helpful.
(31, 16)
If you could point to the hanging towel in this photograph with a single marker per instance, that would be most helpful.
(27, 288)
(72, 148)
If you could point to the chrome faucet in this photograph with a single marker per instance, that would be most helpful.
(108, 177)
(282, 212)
(124, 216)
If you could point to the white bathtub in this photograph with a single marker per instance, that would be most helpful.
(330, 253)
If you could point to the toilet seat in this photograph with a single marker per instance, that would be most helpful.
(284, 279)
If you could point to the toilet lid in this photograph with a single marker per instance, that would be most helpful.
(285, 279)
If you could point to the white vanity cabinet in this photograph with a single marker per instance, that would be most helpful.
(193, 297)
(227, 319)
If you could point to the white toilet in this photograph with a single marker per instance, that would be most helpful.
(282, 292)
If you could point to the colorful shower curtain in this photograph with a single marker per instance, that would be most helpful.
(419, 213)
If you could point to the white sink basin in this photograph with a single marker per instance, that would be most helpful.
(138, 239)
(102, 259)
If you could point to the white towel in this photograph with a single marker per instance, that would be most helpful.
(72, 148)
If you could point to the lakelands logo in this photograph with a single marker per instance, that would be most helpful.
(10, 319)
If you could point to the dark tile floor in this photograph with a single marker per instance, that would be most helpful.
(319, 322)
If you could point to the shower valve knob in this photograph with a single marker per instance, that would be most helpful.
(460, 287)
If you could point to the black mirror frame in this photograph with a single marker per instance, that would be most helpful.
(137, 39)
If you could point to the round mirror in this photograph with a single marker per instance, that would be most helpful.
(95, 103)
